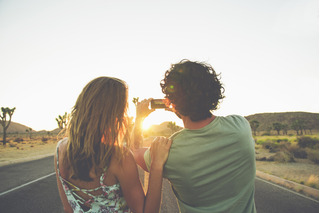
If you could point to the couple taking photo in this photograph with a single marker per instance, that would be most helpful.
(210, 163)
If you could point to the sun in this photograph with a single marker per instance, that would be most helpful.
(159, 116)
(148, 122)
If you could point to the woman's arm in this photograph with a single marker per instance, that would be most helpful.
(159, 154)
(127, 174)
(66, 206)
(131, 185)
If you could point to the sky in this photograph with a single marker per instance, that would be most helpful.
(267, 52)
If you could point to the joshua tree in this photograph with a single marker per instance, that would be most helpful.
(277, 127)
(62, 120)
(297, 125)
(29, 130)
(285, 129)
(3, 116)
(254, 126)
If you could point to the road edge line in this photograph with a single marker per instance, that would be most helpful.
(296, 187)
(25, 184)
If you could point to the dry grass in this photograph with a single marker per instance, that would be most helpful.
(303, 171)
(313, 181)
(300, 172)
(28, 149)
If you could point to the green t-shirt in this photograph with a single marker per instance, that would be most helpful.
(212, 169)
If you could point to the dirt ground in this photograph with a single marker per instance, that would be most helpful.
(301, 171)
(26, 150)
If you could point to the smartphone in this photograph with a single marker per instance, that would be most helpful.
(158, 104)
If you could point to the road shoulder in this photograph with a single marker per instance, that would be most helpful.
(305, 190)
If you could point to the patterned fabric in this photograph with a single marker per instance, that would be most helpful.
(111, 199)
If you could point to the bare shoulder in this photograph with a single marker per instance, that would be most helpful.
(127, 162)
(62, 144)
(62, 149)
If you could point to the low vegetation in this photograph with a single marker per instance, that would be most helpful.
(21, 148)
(294, 152)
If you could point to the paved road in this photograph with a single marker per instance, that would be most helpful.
(42, 195)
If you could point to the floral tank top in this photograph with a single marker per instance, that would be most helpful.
(111, 200)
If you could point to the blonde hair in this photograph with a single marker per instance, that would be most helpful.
(97, 126)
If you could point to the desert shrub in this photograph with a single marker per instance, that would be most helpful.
(270, 158)
(313, 181)
(18, 140)
(44, 139)
(261, 158)
(297, 151)
(281, 140)
(258, 141)
(12, 145)
(272, 147)
(309, 142)
(313, 155)
(283, 156)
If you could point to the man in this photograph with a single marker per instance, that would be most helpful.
(211, 163)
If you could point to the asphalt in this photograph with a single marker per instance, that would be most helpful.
(299, 188)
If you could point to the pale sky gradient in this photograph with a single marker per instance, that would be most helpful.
(267, 52)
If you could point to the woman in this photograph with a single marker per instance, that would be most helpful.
(95, 170)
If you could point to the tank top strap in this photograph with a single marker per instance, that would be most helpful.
(58, 158)
(103, 176)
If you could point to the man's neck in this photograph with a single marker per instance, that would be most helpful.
(189, 124)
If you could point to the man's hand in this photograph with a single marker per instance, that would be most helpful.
(142, 109)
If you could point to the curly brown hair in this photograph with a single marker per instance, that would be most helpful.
(193, 88)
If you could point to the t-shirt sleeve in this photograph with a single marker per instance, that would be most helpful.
(147, 158)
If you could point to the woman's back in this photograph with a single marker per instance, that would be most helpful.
(100, 195)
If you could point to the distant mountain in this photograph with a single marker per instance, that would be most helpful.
(15, 128)
(54, 132)
(266, 120)
(20, 128)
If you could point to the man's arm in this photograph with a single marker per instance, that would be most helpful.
(142, 111)
(137, 133)
(138, 155)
